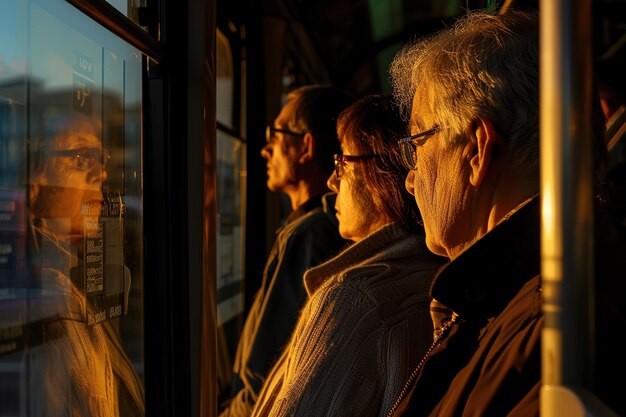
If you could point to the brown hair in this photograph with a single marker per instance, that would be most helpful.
(373, 125)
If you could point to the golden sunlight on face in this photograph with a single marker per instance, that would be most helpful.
(69, 187)
(356, 212)
(281, 157)
(440, 185)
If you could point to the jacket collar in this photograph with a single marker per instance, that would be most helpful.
(389, 242)
(482, 280)
(304, 208)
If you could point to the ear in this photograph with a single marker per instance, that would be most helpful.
(308, 148)
(486, 144)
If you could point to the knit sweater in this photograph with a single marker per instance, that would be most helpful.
(309, 237)
(73, 368)
(364, 325)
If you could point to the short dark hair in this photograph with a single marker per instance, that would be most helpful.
(316, 111)
(373, 125)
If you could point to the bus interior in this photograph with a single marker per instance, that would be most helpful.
(181, 93)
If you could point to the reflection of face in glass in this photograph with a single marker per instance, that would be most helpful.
(66, 185)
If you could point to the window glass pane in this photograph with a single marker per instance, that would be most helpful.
(231, 183)
(120, 5)
(128, 8)
(230, 241)
(71, 273)
(224, 81)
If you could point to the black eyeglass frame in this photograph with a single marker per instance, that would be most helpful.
(341, 159)
(83, 156)
(270, 129)
(408, 146)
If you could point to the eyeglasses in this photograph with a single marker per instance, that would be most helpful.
(271, 130)
(408, 146)
(84, 159)
(340, 161)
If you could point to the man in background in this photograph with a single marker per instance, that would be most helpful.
(299, 153)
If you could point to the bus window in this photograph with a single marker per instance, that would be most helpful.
(71, 246)
(231, 183)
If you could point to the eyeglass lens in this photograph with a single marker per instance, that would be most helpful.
(84, 159)
(409, 154)
(338, 168)
(408, 146)
(268, 134)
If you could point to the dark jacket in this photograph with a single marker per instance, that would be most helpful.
(309, 237)
(488, 362)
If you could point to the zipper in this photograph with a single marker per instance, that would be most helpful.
(443, 333)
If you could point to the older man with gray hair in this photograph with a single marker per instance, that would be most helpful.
(472, 93)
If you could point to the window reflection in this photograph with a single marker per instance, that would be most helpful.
(71, 266)
(74, 361)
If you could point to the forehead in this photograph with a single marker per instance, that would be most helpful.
(286, 113)
(347, 145)
(348, 137)
(77, 140)
(420, 110)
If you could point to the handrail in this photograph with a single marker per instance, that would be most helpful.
(567, 210)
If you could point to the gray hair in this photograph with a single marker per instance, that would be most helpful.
(486, 65)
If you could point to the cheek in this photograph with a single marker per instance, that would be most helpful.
(77, 180)
(450, 203)
(343, 210)
(429, 195)
(344, 197)
(424, 182)
(278, 164)
(288, 162)
(349, 208)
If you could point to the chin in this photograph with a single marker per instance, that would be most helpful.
(271, 187)
(344, 233)
(435, 248)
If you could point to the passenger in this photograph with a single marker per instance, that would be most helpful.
(74, 367)
(366, 322)
(472, 92)
(299, 150)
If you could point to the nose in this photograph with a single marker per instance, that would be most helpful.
(97, 174)
(409, 181)
(333, 182)
(265, 152)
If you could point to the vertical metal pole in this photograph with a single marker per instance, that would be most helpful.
(567, 204)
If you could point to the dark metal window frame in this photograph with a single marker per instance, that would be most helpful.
(116, 22)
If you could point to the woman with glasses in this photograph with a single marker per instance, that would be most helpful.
(367, 317)
(75, 360)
